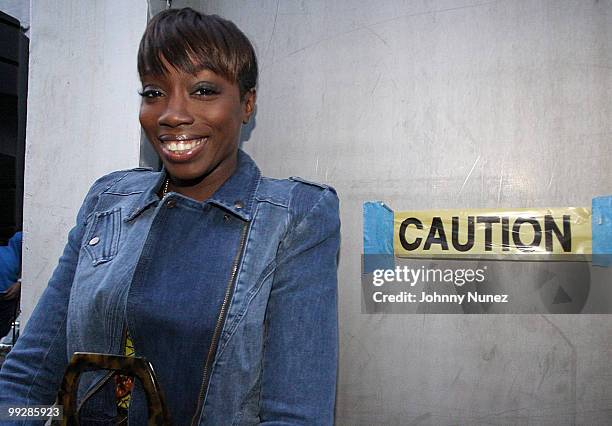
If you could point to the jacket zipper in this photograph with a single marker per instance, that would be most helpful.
(212, 350)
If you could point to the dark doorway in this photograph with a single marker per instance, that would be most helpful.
(13, 94)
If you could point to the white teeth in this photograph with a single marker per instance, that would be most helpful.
(183, 146)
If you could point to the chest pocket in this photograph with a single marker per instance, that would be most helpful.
(102, 236)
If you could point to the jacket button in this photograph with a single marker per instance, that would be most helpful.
(238, 204)
(170, 203)
(94, 241)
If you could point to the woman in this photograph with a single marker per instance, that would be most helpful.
(223, 279)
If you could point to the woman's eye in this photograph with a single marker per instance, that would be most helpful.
(150, 93)
(205, 91)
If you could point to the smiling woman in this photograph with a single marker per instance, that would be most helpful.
(198, 89)
(193, 122)
(223, 279)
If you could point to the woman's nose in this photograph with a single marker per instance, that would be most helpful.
(175, 114)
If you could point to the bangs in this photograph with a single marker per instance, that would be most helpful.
(191, 41)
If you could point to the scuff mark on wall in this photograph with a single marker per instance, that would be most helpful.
(468, 175)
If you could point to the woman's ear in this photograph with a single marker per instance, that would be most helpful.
(249, 105)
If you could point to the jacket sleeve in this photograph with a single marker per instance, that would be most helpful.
(301, 340)
(33, 369)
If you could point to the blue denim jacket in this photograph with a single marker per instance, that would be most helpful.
(275, 359)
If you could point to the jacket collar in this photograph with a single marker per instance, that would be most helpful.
(236, 195)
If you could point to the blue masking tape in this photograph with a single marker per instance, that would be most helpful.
(377, 236)
(377, 228)
(602, 230)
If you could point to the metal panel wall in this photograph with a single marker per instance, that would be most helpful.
(443, 104)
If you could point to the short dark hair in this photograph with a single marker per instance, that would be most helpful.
(191, 41)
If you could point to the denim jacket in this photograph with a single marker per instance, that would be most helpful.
(275, 355)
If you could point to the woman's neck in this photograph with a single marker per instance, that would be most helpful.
(202, 188)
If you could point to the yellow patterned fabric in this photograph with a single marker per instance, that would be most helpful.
(124, 384)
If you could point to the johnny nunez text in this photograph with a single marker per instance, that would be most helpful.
(409, 297)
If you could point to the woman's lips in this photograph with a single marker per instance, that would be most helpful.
(181, 148)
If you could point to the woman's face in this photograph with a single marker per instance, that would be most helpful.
(193, 123)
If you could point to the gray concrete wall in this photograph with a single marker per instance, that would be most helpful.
(82, 118)
(443, 104)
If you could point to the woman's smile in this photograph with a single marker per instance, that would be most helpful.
(181, 148)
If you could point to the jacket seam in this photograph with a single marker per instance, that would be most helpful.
(261, 363)
(114, 182)
(250, 296)
(309, 182)
(294, 229)
(107, 192)
(254, 194)
(29, 394)
(270, 201)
